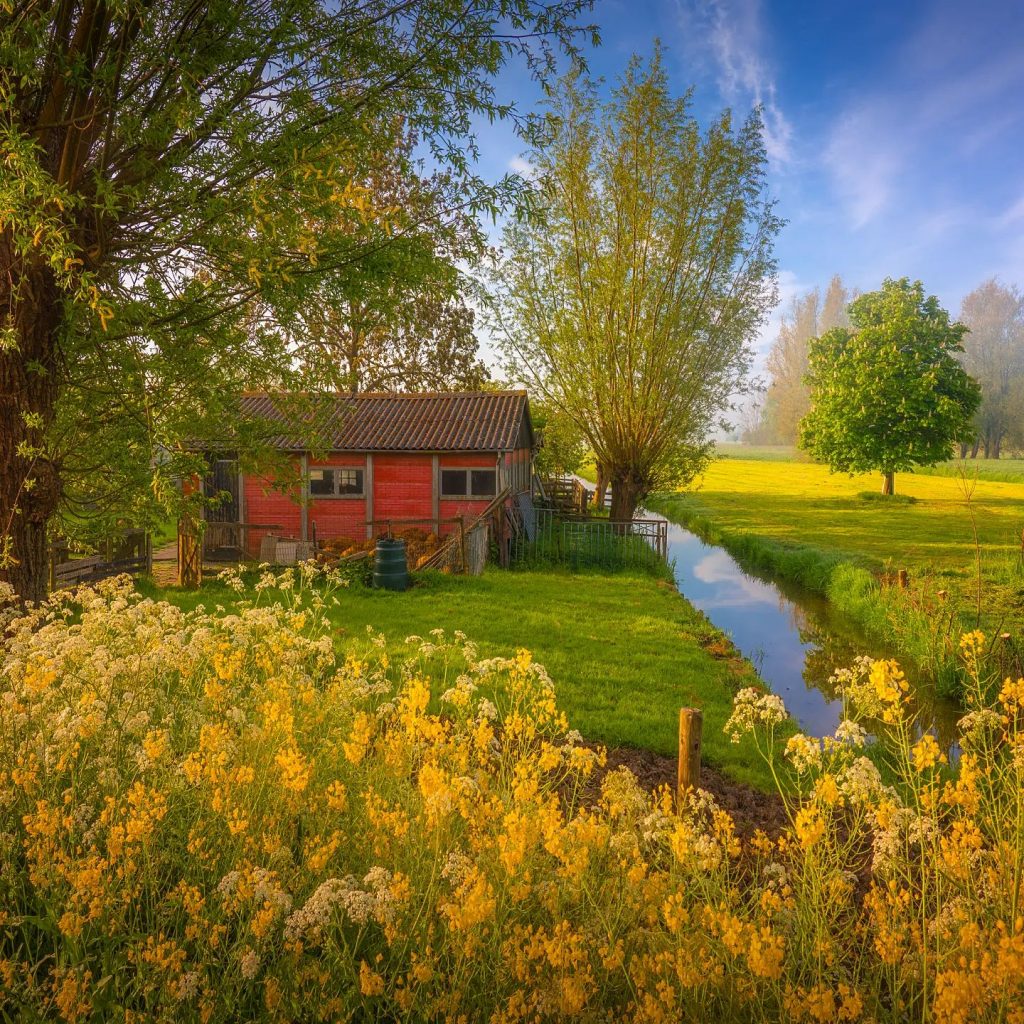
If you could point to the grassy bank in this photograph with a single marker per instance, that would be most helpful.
(625, 651)
(828, 532)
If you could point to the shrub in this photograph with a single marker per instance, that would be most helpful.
(887, 499)
(209, 816)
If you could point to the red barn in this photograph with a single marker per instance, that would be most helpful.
(400, 459)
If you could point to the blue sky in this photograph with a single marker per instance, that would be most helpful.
(895, 130)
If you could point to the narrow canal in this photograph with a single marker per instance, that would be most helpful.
(793, 637)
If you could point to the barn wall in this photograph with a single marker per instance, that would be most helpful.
(338, 517)
(402, 487)
(517, 470)
(483, 460)
(264, 504)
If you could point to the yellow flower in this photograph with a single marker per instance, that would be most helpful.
(926, 753)
(827, 790)
(155, 744)
(370, 982)
(295, 770)
(337, 796)
(765, 953)
(973, 643)
(362, 732)
(809, 826)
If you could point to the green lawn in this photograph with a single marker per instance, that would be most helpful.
(625, 652)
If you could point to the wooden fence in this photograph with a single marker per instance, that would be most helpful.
(130, 552)
(566, 494)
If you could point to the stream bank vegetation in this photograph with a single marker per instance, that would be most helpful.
(959, 541)
(212, 816)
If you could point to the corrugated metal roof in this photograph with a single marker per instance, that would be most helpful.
(424, 421)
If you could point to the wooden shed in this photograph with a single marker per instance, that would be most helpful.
(382, 461)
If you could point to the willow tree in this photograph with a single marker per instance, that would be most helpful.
(629, 300)
(175, 177)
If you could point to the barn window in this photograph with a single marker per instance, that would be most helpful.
(468, 483)
(336, 483)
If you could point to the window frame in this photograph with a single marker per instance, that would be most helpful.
(467, 476)
(336, 472)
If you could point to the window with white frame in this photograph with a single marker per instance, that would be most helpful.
(336, 482)
(469, 483)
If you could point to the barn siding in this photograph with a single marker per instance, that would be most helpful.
(271, 507)
(402, 487)
(478, 460)
(338, 518)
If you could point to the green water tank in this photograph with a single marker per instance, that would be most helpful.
(390, 569)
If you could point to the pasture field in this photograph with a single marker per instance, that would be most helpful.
(626, 651)
(1002, 470)
(803, 503)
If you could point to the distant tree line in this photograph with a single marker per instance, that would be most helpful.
(993, 354)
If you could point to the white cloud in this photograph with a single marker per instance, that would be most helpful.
(523, 167)
(950, 94)
(734, 586)
(863, 164)
(733, 28)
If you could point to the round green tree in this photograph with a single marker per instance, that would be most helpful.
(888, 392)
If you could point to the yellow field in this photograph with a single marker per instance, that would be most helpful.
(803, 503)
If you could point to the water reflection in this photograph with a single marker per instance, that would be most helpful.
(793, 637)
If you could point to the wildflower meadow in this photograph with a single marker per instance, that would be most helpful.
(214, 816)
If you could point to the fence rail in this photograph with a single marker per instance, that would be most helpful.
(579, 542)
(131, 552)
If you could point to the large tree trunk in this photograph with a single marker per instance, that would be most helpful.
(963, 449)
(626, 495)
(888, 482)
(29, 482)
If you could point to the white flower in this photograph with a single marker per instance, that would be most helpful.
(851, 732)
(752, 707)
(976, 725)
(250, 964)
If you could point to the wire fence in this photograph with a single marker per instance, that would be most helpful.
(576, 542)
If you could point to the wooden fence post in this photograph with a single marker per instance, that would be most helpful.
(462, 542)
(688, 776)
(52, 569)
(149, 553)
(190, 553)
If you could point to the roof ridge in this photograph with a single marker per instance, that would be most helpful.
(502, 392)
